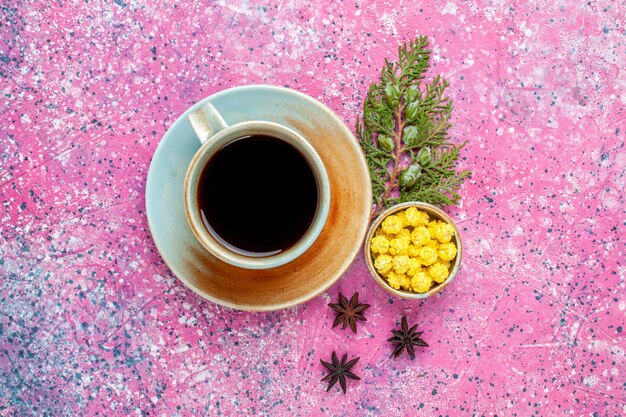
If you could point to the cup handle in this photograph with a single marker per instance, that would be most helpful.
(206, 122)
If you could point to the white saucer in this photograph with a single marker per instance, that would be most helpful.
(324, 262)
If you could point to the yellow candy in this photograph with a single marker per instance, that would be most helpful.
(393, 281)
(405, 282)
(414, 217)
(399, 247)
(379, 244)
(433, 243)
(392, 225)
(410, 216)
(428, 255)
(432, 227)
(420, 236)
(447, 233)
(447, 251)
(414, 267)
(380, 233)
(383, 263)
(441, 231)
(421, 282)
(404, 234)
(438, 272)
(398, 281)
(414, 251)
(400, 215)
(444, 263)
(400, 264)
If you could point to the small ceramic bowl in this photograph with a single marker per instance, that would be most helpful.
(434, 213)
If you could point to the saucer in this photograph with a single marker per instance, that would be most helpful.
(322, 264)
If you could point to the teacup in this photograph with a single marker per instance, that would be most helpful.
(256, 193)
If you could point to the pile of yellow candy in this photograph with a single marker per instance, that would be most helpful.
(413, 252)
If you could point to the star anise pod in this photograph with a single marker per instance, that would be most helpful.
(406, 339)
(349, 311)
(339, 371)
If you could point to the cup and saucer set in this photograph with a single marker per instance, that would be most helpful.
(181, 217)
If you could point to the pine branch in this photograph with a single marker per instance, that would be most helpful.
(405, 117)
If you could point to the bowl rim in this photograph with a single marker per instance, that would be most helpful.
(431, 209)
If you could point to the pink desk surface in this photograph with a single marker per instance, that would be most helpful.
(92, 322)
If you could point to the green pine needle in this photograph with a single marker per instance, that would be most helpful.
(404, 133)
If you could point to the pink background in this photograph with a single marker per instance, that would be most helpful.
(93, 323)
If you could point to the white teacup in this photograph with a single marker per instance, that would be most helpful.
(214, 134)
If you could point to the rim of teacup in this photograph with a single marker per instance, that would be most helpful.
(202, 157)
(437, 213)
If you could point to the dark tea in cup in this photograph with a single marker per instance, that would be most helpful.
(258, 195)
